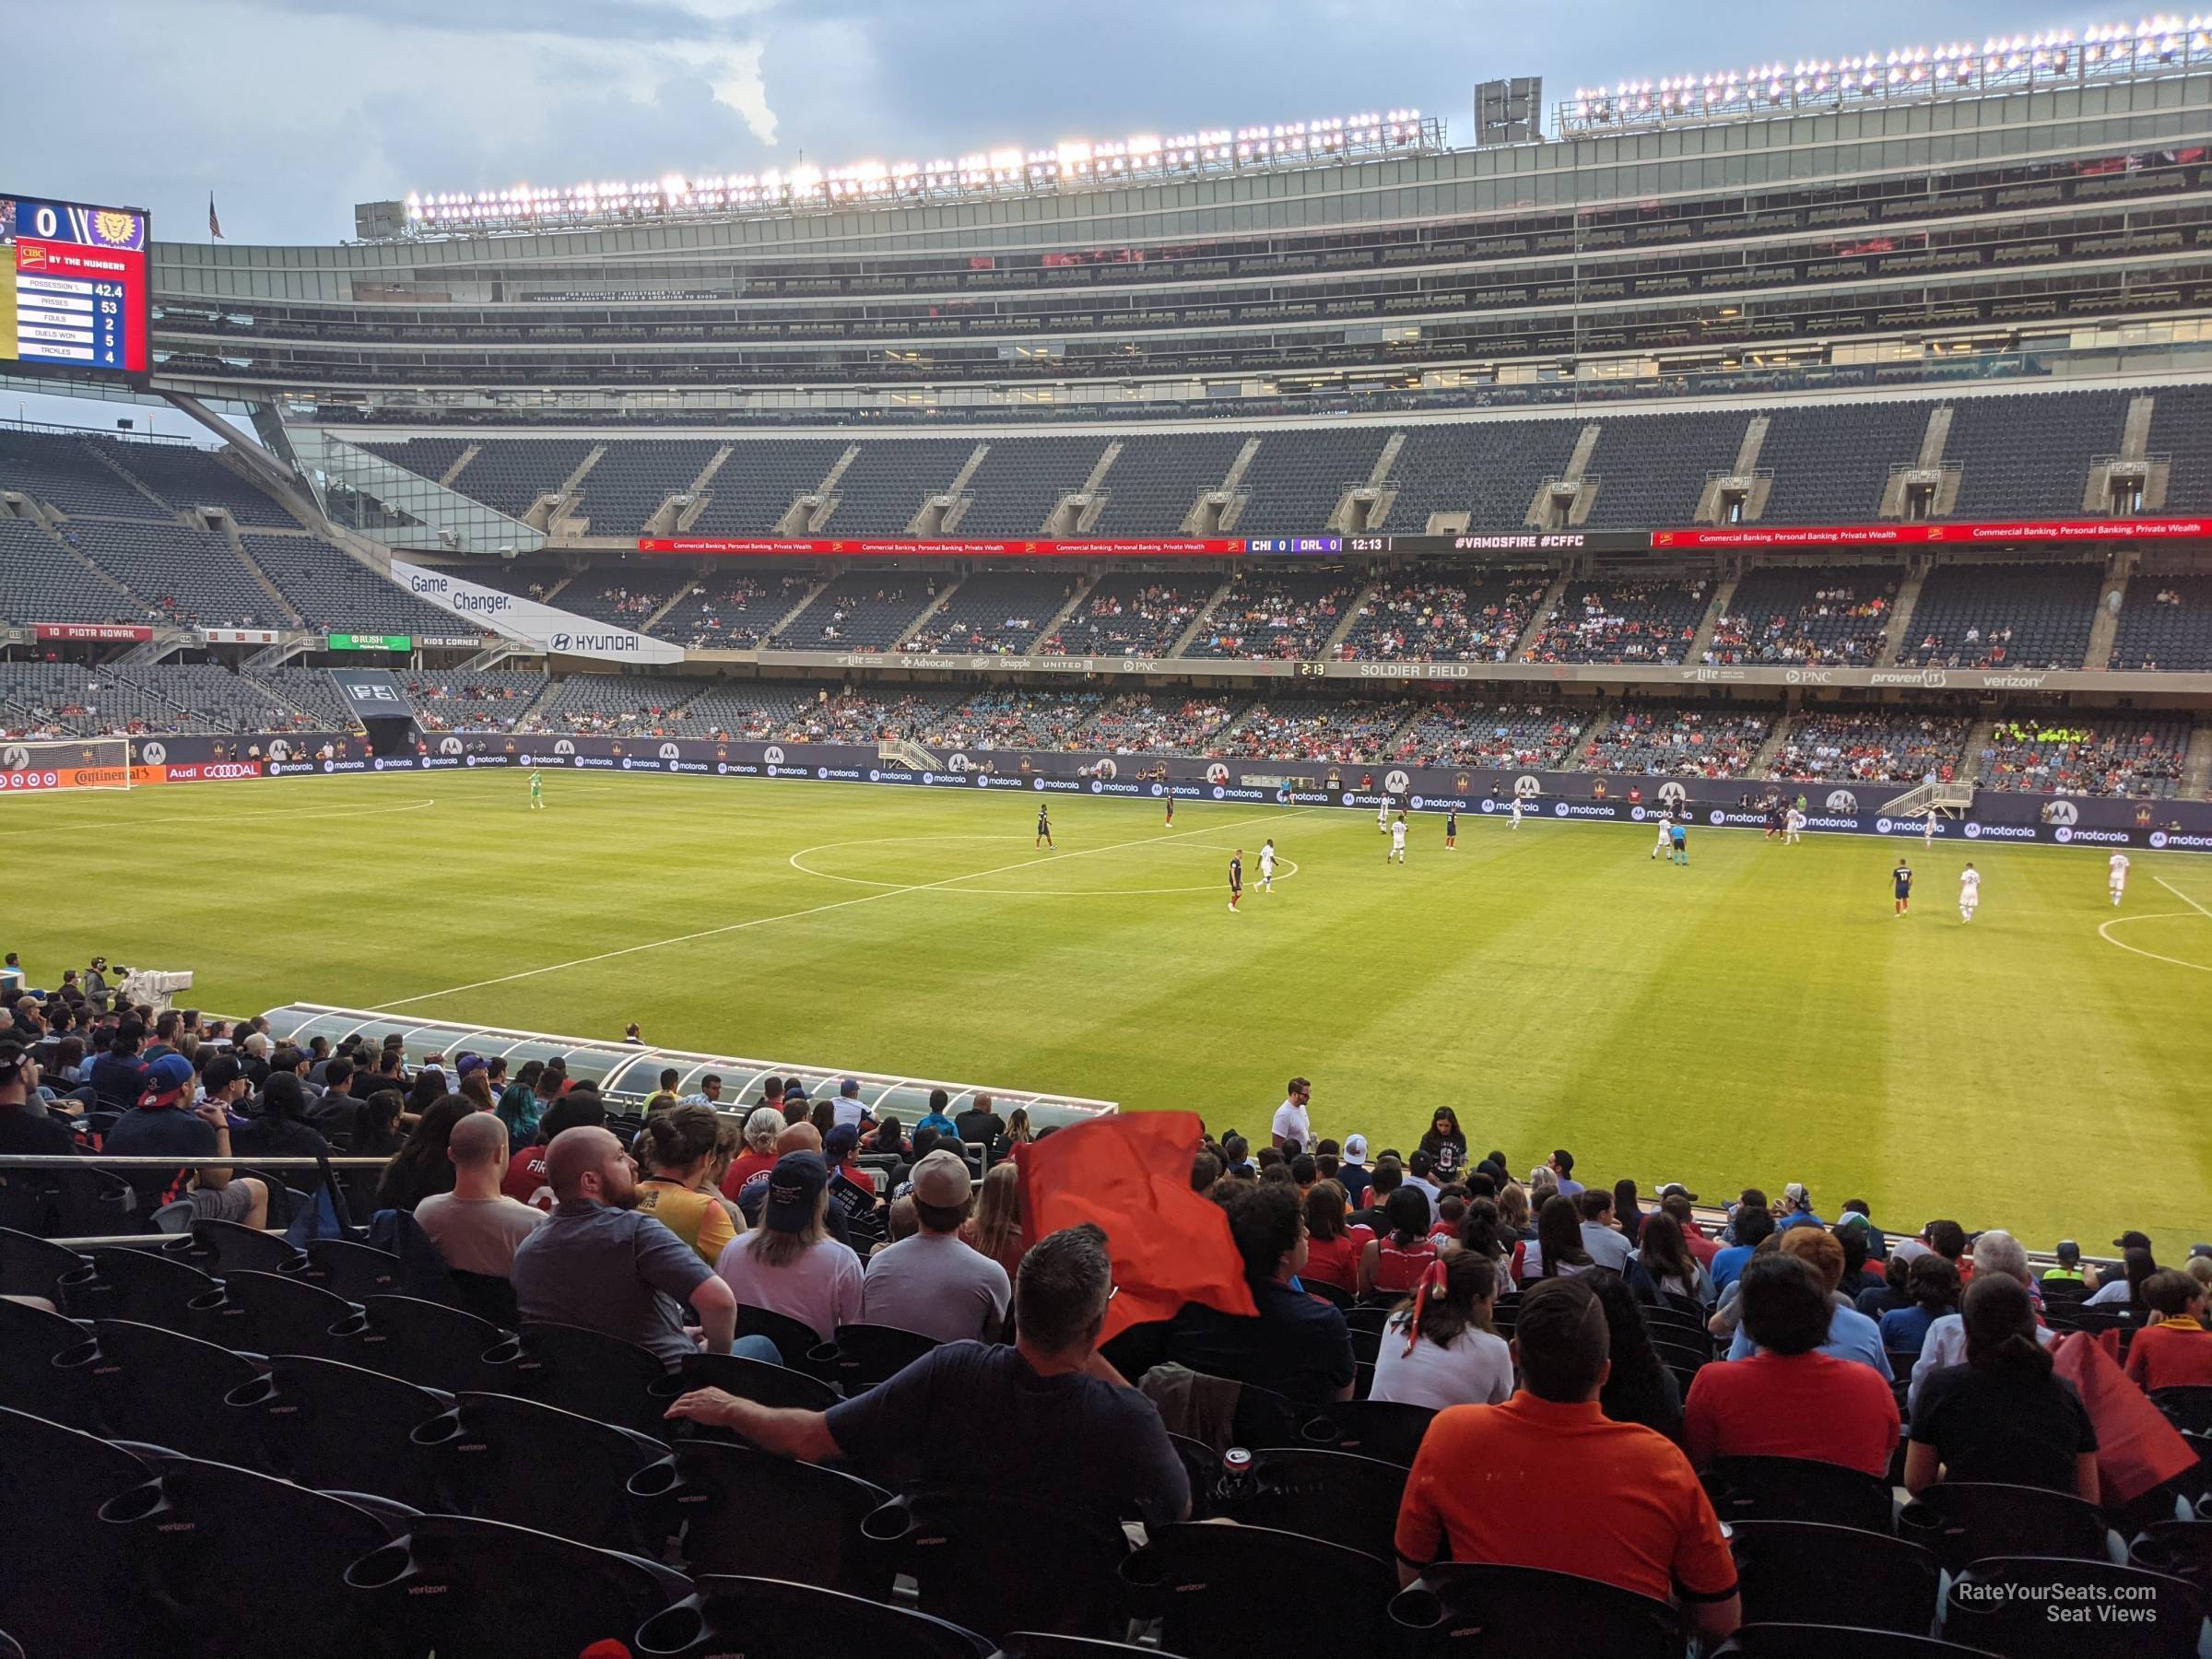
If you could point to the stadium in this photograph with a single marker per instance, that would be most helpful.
(800, 740)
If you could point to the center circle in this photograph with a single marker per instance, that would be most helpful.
(955, 884)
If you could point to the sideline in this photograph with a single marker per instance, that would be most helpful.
(711, 933)
(1288, 870)
(232, 817)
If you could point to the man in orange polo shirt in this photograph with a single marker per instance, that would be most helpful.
(1548, 1480)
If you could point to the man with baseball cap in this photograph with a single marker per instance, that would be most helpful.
(933, 1282)
(848, 1107)
(166, 1122)
(792, 1263)
(21, 1131)
(1353, 1174)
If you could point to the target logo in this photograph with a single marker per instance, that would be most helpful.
(1672, 794)
(772, 755)
(1842, 800)
(449, 746)
(669, 751)
(1217, 773)
(1396, 782)
(564, 748)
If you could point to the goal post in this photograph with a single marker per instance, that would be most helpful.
(28, 767)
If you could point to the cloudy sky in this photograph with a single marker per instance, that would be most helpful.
(291, 110)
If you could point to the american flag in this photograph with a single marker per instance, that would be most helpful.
(214, 226)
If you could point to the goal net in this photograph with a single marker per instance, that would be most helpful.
(73, 763)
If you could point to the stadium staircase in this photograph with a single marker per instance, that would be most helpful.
(906, 752)
(1351, 616)
(536, 706)
(45, 522)
(937, 605)
(162, 508)
(1539, 615)
(2196, 765)
(1724, 595)
(683, 592)
(460, 466)
(1183, 640)
(792, 615)
(226, 527)
(1900, 614)
(2106, 628)
(1762, 761)
(1953, 798)
(1060, 617)
(554, 513)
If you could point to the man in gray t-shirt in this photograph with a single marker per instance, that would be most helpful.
(934, 1282)
(598, 1264)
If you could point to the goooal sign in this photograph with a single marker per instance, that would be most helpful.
(542, 627)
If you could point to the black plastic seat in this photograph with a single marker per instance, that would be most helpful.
(462, 1586)
(737, 1506)
(795, 1339)
(260, 1312)
(2188, 1408)
(429, 1344)
(1486, 1612)
(1679, 1356)
(1388, 1430)
(993, 1563)
(1999, 1603)
(862, 1356)
(2181, 1549)
(30, 1265)
(1798, 1488)
(148, 1286)
(356, 1272)
(1333, 1496)
(1038, 1644)
(167, 1389)
(1804, 1570)
(585, 1371)
(339, 1428)
(1962, 1521)
(31, 1340)
(89, 1603)
(1838, 1641)
(499, 1458)
(248, 1566)
(1222, 1590)
(774, 1618)
(220, 1246)
(760, 1380)
(53, 1203)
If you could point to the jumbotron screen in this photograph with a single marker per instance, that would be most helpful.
(73, 290)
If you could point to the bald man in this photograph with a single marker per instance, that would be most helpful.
(599, 1264)
(476, 1227)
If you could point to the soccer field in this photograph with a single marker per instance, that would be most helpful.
(1759, 1017)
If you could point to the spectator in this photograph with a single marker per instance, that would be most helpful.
(1562, 1165)
(20, 1132)
(1947, 1239)
(526, 1174)
(1790, 1399)
(421, 1166)
(2002, 1416)
(1334, 1256)
(1750, 1225)
(1296, 1345)
(1851, 1335)
(1664, 1267)
(1628, 1213)
(1932, 1283)
(1797, 1207)
(761, 1127)
(1294, 1119)
(937, 1117)
(1557, 1252)
(1640, 1388)
(1045, 1418)
(1944, 1343)
(1439, 1349)
(1609, 1247)
(888, 1137)
(1562, 1488)
(475, 1226)
(1394, 1262)
(661, 1098)
(119, 1075)
(336, 1110)
(980, 1126)
(1895, 1291)
(1352, 1174)
(599, 1264)
(851, 1188)
(281, 1130)
(2177, 1351)
(2125, 1288)
(1445, 1144)
(848, 1113)
(932, 1283)
(1018, 1127)
(165, 1122)
(1235, 1153)
(708, 1093)
(790, 1264)
(2069, 1269)
(995, 1228)
(1383, 1180)
(1514, 1212)
(676, 1147)
(1420, 1171)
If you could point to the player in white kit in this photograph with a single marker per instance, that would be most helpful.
(1793, 828)
(1666, 829)
(1383, 815)
(1516, 812)
(1927, 834)
(1970, 893)
(2119, 881)
(1268, 866)
(1398, 841)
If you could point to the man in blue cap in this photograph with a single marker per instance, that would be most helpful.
(166, 1122)
(850, 1112)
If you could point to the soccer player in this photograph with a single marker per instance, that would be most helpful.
(1451, 828)
(1793, 828)
(1268, 865)
(1678, 833)
(1398, 841)
(537, 790)
(1927, 834)
(1901, 879)
(1236, 878)
(2119, 877)
(1044, 828)
(1970, 893)
(1382, 814)
(1516, 812)
(1170, 812)
(1666, 834)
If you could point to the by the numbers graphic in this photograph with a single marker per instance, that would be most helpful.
(73, 290)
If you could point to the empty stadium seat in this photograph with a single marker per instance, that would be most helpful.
(1485, 1611)
(220, 1246)
(1814, 1573)
(739, 1507)
(280, 1313)
(166, 1389)
(338, 1427)
(795, 1339)
(993, 1563)
(152, 1287)
(499, 1458)
(1250, 1588)
(31, 1342)
(1961, 1522)
(30, 1265)
(1999, 1603)
(1386, 1430)
(773, 1616)
(1796, 1488)
(782, 1386)
(429, 1344)
(2181, 1549)
(862, 1356)
(73, 1583)
(1337, 1497)
(356, 1272)
(585, 1371)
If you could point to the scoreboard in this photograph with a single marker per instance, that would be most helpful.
(75, 289)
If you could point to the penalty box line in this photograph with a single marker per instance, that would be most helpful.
(816, 909)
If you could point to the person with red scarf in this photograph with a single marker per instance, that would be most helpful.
(1438, 1349)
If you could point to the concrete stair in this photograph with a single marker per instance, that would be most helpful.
(1723, 597)
(1541, 614)
(1901, 618)
(1183, 640)
(2106, 628)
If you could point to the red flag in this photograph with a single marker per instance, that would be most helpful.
(1132, 1175)
(2136, 1447)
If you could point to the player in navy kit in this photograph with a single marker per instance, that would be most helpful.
(1170, 812)
(1045, 826)
(1451, 827)
(1236, 878)
(1900, 880)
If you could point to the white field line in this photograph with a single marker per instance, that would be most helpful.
(816, 909)
(2184, 898)
(219, 820)
(2104, 933)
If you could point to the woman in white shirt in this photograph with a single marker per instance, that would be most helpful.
(1438, 1349)
(790, 1264)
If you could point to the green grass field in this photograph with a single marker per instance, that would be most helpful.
(1755, 1018)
